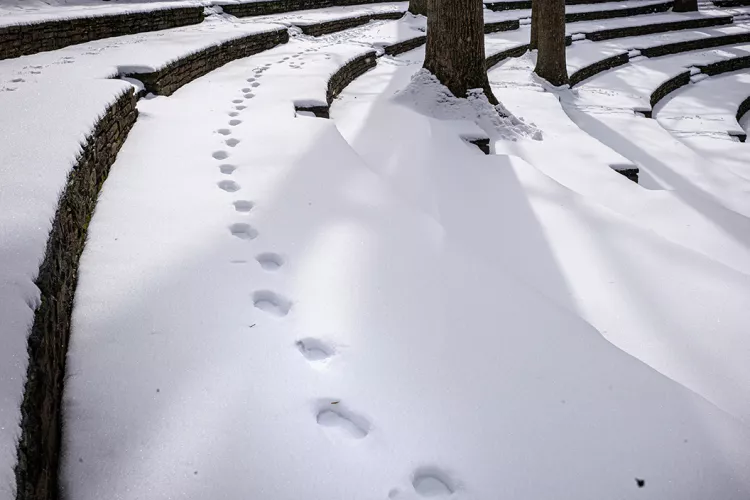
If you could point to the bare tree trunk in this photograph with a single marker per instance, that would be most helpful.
(455, 46)
(550, 62)
(685, 5)
(418, 7)
(533, 39)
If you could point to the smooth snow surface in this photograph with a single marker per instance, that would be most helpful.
(273, 305)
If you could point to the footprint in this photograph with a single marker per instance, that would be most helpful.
(249, 96)
(255, 84)
(314, 349)
(247, 89)
(17, 80)
(251, 79)
(243, 231)
(432, 482)
(232, 142)
(224, 131)
(271, 303)
(234, 123)
(286, 58)
(227, 168)
(270, 261)
(238, 101)
(267, 65)
(342, 420)
(229, 186)
(240, 107)
(243, 206)
(233, 113)
(220, 155)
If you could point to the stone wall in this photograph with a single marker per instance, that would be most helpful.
(405, 46)
(648, 29)
(703, 43)
(572, 17)
(173, 76)
(279, 6)
(339, 80)
(669, 86)
(502, 26)
(725, 66)
(598, 67)
(326, 27)
(27, 39)
(39, 445)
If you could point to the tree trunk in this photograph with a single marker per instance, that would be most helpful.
(455, 46)
(535, 24)
(550, 61)
(418, 7)
(685, 5)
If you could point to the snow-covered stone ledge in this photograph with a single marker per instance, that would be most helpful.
(245, 9)
(39, 444)
(338, 81)
(38, 447)
(168, 79)
(23, 39)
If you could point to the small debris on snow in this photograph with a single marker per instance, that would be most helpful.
(640, 482)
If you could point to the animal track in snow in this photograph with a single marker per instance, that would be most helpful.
(17, 80)
(243, 206)
(234, 123)
(314, 349)
(243, 231)
(271, 302)
(238, 101)
(224, 131)
(232, 142)
(432, 482)
(240, 107)
(270, 261)
(249, 95)
(220, 155)
(342, 420)
(227, 168)
(251, 79)
(229, 186)
(255, 84)
(247, 89)
(233, 113)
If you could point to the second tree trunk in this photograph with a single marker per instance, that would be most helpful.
(550, 41)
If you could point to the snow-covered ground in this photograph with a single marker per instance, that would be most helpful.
(279, 306)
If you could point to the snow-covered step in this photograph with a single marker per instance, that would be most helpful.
(639, 85)
(390, 37)
(508, 19)
(709, 107)
(645, 24)
(526, 4)
(52, 102)
(322, 21)
(587, 59)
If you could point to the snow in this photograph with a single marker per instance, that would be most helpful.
(706, 108)
(306, 17)
(454, 360)
(15, 12)
(273, 305)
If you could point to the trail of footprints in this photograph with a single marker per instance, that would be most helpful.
(331, 414)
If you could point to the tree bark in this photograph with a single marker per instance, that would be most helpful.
(419, 7)
(685, 5)
(534, 37)
(455, 46)
(550, 61)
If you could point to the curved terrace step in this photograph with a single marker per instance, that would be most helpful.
(588, 59)
(513, 44)
(711, 106)
(72, 89)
